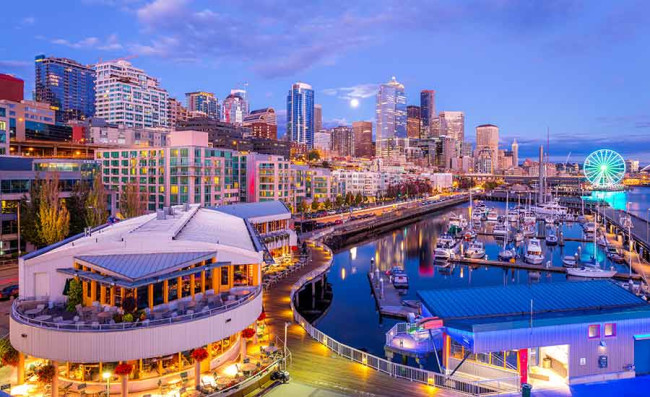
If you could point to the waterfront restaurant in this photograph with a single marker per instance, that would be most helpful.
(559, 332)
(272, 220)
(148, 291)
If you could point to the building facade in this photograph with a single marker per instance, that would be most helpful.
(342, 141)
(300, 114)
(11, 88)
(362, 131)
(203, 103)
(177, 112)
(235, 107)
(318, 118)
(391, 120)
(323, 143)
(428, 112)
(452, 124)
(263, 123)
(128, 96)
(487, 137)
(413, 122)
(67, 85)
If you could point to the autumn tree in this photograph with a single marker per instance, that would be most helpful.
(132, 201)
(303, 206)
(53, 217)
(96, 203)
(29, 205)
(328, 203)
(315, 204)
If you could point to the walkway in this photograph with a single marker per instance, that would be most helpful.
(640, 232)
(316, 366)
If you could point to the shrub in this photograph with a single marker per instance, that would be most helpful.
(45, 373)
(123, 369)
(199, 354)
(127, 318)
(248, 333)
(75, 295)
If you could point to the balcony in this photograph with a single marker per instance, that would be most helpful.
(38, 328)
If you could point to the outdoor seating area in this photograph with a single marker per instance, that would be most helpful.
(274, 273)
(97, 316)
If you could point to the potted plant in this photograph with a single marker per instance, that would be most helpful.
(198, 355)
(45, 373)
(246, 334)
(124, 370)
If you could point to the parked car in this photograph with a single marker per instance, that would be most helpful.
(8, 292)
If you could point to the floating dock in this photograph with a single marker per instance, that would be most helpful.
(387, 297)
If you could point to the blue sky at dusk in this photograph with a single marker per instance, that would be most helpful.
(579, 68)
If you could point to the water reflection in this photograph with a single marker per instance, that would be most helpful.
(637, 197)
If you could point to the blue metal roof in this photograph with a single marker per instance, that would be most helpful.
(137, 266)
(254, 210)
(514, 300)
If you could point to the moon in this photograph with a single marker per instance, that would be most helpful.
(354, 102)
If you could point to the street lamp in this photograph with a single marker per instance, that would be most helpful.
(107, 376)
(286, 327)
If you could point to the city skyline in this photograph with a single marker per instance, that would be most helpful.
(565, 61)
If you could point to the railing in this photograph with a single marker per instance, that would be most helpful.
(455, 383)
(248, 381)
(420, 345)
(20, 317)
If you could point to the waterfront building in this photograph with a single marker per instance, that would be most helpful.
(571, 332)
(368, 183)
(235, 107)
(452, 124)
(177, 112)
(262, 122)
(155, 288)
(342, 141)
(16, 176)
(11, 88)
(268, 178)
(391, 130)
(362, 131)
(487, 136)
(273, 224)
(515, 153)
(187, 171)
(99, 132)
(413, 122)
(300, 114)
(67, 85)
(440, 180)
(632, 166)
(308, 184)
(323, 143)
(201, 103)
(318, 118)
(127, 95)
(428, 113)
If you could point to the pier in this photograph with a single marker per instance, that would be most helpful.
(534, 268)
(387, 297)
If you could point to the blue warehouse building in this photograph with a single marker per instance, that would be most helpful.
(561, 332)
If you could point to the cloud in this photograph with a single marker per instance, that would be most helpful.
(336, 122)
(110, 44)
(12, 64)
(359, 91)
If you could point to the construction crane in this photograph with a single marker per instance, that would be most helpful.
(567, 159)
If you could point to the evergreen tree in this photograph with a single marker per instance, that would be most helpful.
(96, 203)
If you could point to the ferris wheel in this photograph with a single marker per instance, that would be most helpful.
(604, 168)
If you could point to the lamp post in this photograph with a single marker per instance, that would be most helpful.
(286, 327)
(107, 375)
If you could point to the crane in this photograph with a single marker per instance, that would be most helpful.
(567, 159)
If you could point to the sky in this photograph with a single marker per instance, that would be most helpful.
(578, 68)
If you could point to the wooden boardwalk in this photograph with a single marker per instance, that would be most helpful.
(315, 365)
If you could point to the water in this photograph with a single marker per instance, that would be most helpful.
(637, 197)
(352, 317)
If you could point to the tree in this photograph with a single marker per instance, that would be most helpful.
(76, 206)
(313, 155)
(96, 203)
(339, 200)
(29, 213)
(75, 295)
(53, 216)
(349, 198)
(315, 204)
(132, 201)
(358, 199)
(328, 203)
(303, 206)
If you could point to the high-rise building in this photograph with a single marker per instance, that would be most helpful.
(318, 117)
(323, 142)
(300, 114)
(127, 96)
(11, 88)
(362, 131)
(342, 141)
(452, 124)
(66, 85)
(263, 123)
(177, 112)
(235, 107)
(203, 103)
(391, 119)
(428, 112)
(487, 137)
(413, 122)
(515, 153)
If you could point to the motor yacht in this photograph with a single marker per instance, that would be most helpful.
(446, 247)
(492, 215)
(569, 261)
(507, 255)
(476, 250)
(534, 253)
(551, 238)
(500, 230)
(550, 209)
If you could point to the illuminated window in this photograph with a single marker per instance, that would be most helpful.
(610, 330)
(594, 331)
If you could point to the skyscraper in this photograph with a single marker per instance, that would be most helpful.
(235, 107)
(318, 117)
(342, 141)
(202, 103)
(428, 111)
(127, 96)
(413, 122)
(300, 114)
(515, 153)
(391, 119)
(452, 124)
(487, 138)
(362, 131)
(66, 85)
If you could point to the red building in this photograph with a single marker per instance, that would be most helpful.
(264, 130)
(11, 88)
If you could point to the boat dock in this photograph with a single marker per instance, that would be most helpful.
(387, 297)
(535, 268)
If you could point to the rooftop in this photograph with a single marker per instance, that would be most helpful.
(517, 300)
(257, 211)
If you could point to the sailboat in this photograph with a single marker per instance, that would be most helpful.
(592, 271)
